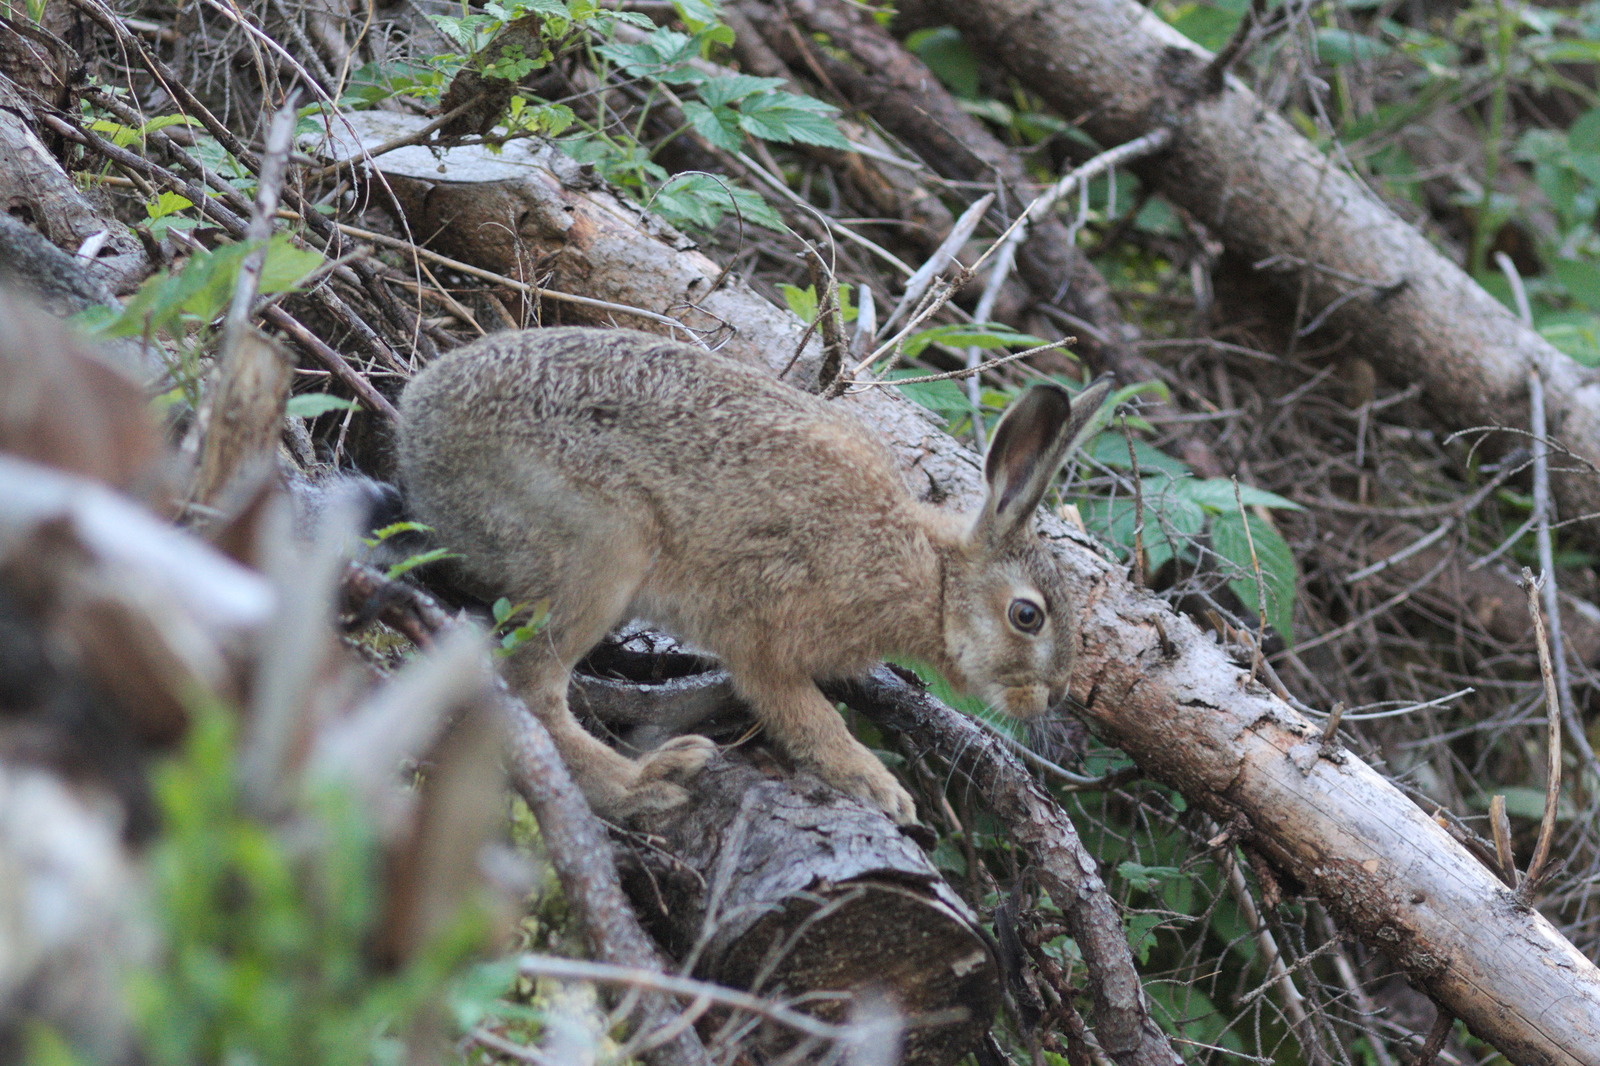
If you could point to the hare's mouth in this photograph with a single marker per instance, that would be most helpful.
(1025, 701)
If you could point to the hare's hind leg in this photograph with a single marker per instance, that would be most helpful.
(582, 611)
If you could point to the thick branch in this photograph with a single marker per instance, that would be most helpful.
(1279, 203)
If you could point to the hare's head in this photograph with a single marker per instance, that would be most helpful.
(1009, 626)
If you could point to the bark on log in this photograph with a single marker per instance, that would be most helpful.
(773, 881)
(1279, 203)
(1059, 862)
(1148, 680)
(777, 883)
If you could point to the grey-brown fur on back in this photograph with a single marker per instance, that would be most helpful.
(751, 493)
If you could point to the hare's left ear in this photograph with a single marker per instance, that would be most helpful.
(1032, 440)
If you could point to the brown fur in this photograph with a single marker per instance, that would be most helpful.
(615, 474)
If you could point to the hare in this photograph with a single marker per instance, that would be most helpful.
(616, 474)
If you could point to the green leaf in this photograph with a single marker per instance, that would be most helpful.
(698, 14)
(1576, 333)
(1182, 1008)
(167, 204)
(400, 527)
(720, 92)
(1584, 133)
(420, 559)
(970, 335)
(802, 303)
(1278, 573)
(947, 399)
(1339, 47)
(786, 118)
(948, 56)
(1217, 494)
(1147, 877)
(1528, 803)
(1111, 448)
(718, 125)
(287, 264)
(1171, 522)
(1208, 24)
(1141, 932)
(1581, 280)
(312, 404)
(664, 55)
(703, 200)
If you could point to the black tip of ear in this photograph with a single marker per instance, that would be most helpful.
(1051, 400)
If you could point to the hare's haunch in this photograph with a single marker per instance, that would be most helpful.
(616, 474)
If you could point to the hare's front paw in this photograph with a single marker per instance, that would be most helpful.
(658, 785)
(859, 773)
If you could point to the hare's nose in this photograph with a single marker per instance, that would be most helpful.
(1058, 696)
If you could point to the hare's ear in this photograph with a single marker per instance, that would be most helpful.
(1033, 438)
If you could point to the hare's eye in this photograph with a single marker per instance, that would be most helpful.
(1026, 616)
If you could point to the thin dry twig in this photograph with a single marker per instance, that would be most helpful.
(274, 162)
(1552, 696)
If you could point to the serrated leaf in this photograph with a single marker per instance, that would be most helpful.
(718, 125)
(719, 92)
(312, 404)
(455, 30)
(787, 127)
(664, 55)
(167, 203)
(1229, 541)
(698, 13)
(970, 335)
(785, 118)
(704, 200)
(802, 303)
(1216, 494)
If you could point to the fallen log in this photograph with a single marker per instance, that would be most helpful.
(1311, 228)
(1147, 679)
(774, 882)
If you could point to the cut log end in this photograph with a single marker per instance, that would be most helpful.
(791, 890)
